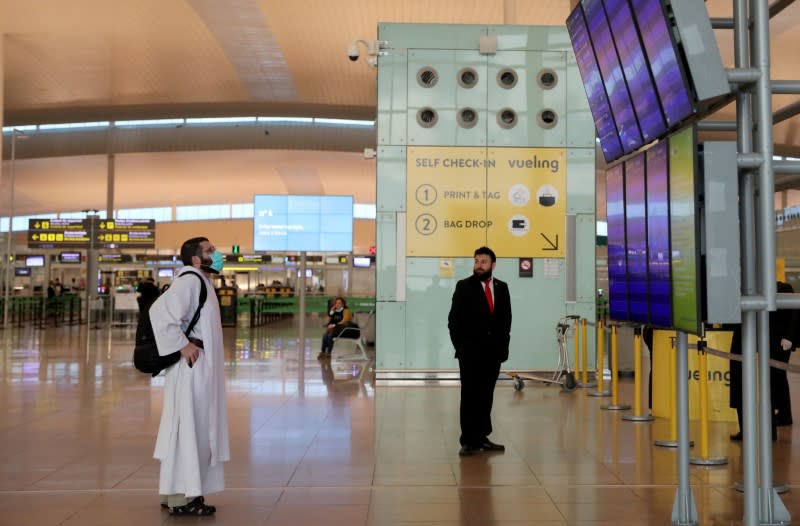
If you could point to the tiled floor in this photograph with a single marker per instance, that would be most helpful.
(318, 444)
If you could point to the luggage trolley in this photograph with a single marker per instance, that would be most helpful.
(563, 375)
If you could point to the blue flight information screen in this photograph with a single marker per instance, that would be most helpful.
(303, 223)
(617, 268)
(658, 262)
(636, 237)
(621, 106)
(634, 66)
(593, 84)
(669, 80)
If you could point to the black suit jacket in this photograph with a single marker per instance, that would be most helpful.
(473, 329)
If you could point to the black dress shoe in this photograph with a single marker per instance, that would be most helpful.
(488, 445)
(467, 451)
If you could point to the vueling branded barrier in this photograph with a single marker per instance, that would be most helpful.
(484, 138)
(718, 376)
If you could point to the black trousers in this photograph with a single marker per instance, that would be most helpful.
(478, 378)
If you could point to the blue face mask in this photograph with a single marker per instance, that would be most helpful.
(217, 262)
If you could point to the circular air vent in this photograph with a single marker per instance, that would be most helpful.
(507, 118)
(467, 77)
(427, 117)
(507, 78)
(547, 79)
(467, 118)
(427, 77)
(547, 118)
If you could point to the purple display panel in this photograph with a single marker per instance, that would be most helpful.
(634, 67)
(669, 80)
(658, 261)
(593, 84)
(636, 237)
(617, 268)
(621, 106)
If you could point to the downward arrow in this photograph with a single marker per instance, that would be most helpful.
(553, 246)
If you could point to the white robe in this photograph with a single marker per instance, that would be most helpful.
(192, 441)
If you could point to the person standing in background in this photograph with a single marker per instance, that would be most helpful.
(480, 330)
(783, 339)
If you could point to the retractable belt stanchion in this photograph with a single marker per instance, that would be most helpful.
(637, 415)
(577, 361)
(704, 459)
(615, 405)
(585, 344)
(601, 339)
(673, 408)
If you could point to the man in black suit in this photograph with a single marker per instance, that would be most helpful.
(480, 326)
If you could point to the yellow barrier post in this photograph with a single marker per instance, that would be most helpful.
(615, 405)
(584, 341)
(637, 415)
(601, 338)
(704, 459)
(673, 409)
(577, 362)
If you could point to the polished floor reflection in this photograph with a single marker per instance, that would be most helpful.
(316, 443)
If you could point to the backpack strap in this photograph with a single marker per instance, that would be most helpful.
(203, 296)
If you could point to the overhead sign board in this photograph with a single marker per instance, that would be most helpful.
(120, 233)
(58, 233)
(77, 233)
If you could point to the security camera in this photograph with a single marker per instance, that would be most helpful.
(353, 52)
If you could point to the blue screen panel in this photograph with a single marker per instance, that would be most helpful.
(658, 263)
(593, 84)
(617, 268)
(621, 106)
(636, 238)
(634, 67)
(308, 223)
(669, 80)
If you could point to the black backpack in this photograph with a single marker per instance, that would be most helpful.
(145, 352)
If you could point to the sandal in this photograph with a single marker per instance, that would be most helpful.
(196, 507)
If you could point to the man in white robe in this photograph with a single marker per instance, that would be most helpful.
(192, 442)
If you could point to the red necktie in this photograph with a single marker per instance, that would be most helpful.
(489, 296)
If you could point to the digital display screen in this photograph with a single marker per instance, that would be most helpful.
(621, 106)
(658, 266)
(69, 257)
(303, 223)
(34, 261)
(636, 238)
(593, 85)
(165, 273)
(684, 232)
(362, 262)
(669, 80)
(617, 269)
(634, 67)
(22, 271)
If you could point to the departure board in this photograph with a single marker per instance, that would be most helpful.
(636, 238)
(634, 67)
(684, 224)
(659, 273)
(593, 85)
(617, 267)
(611, 70)
(670, 82)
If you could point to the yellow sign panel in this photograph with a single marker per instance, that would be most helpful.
(719, 376)
(511, 199)
(527, 201)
